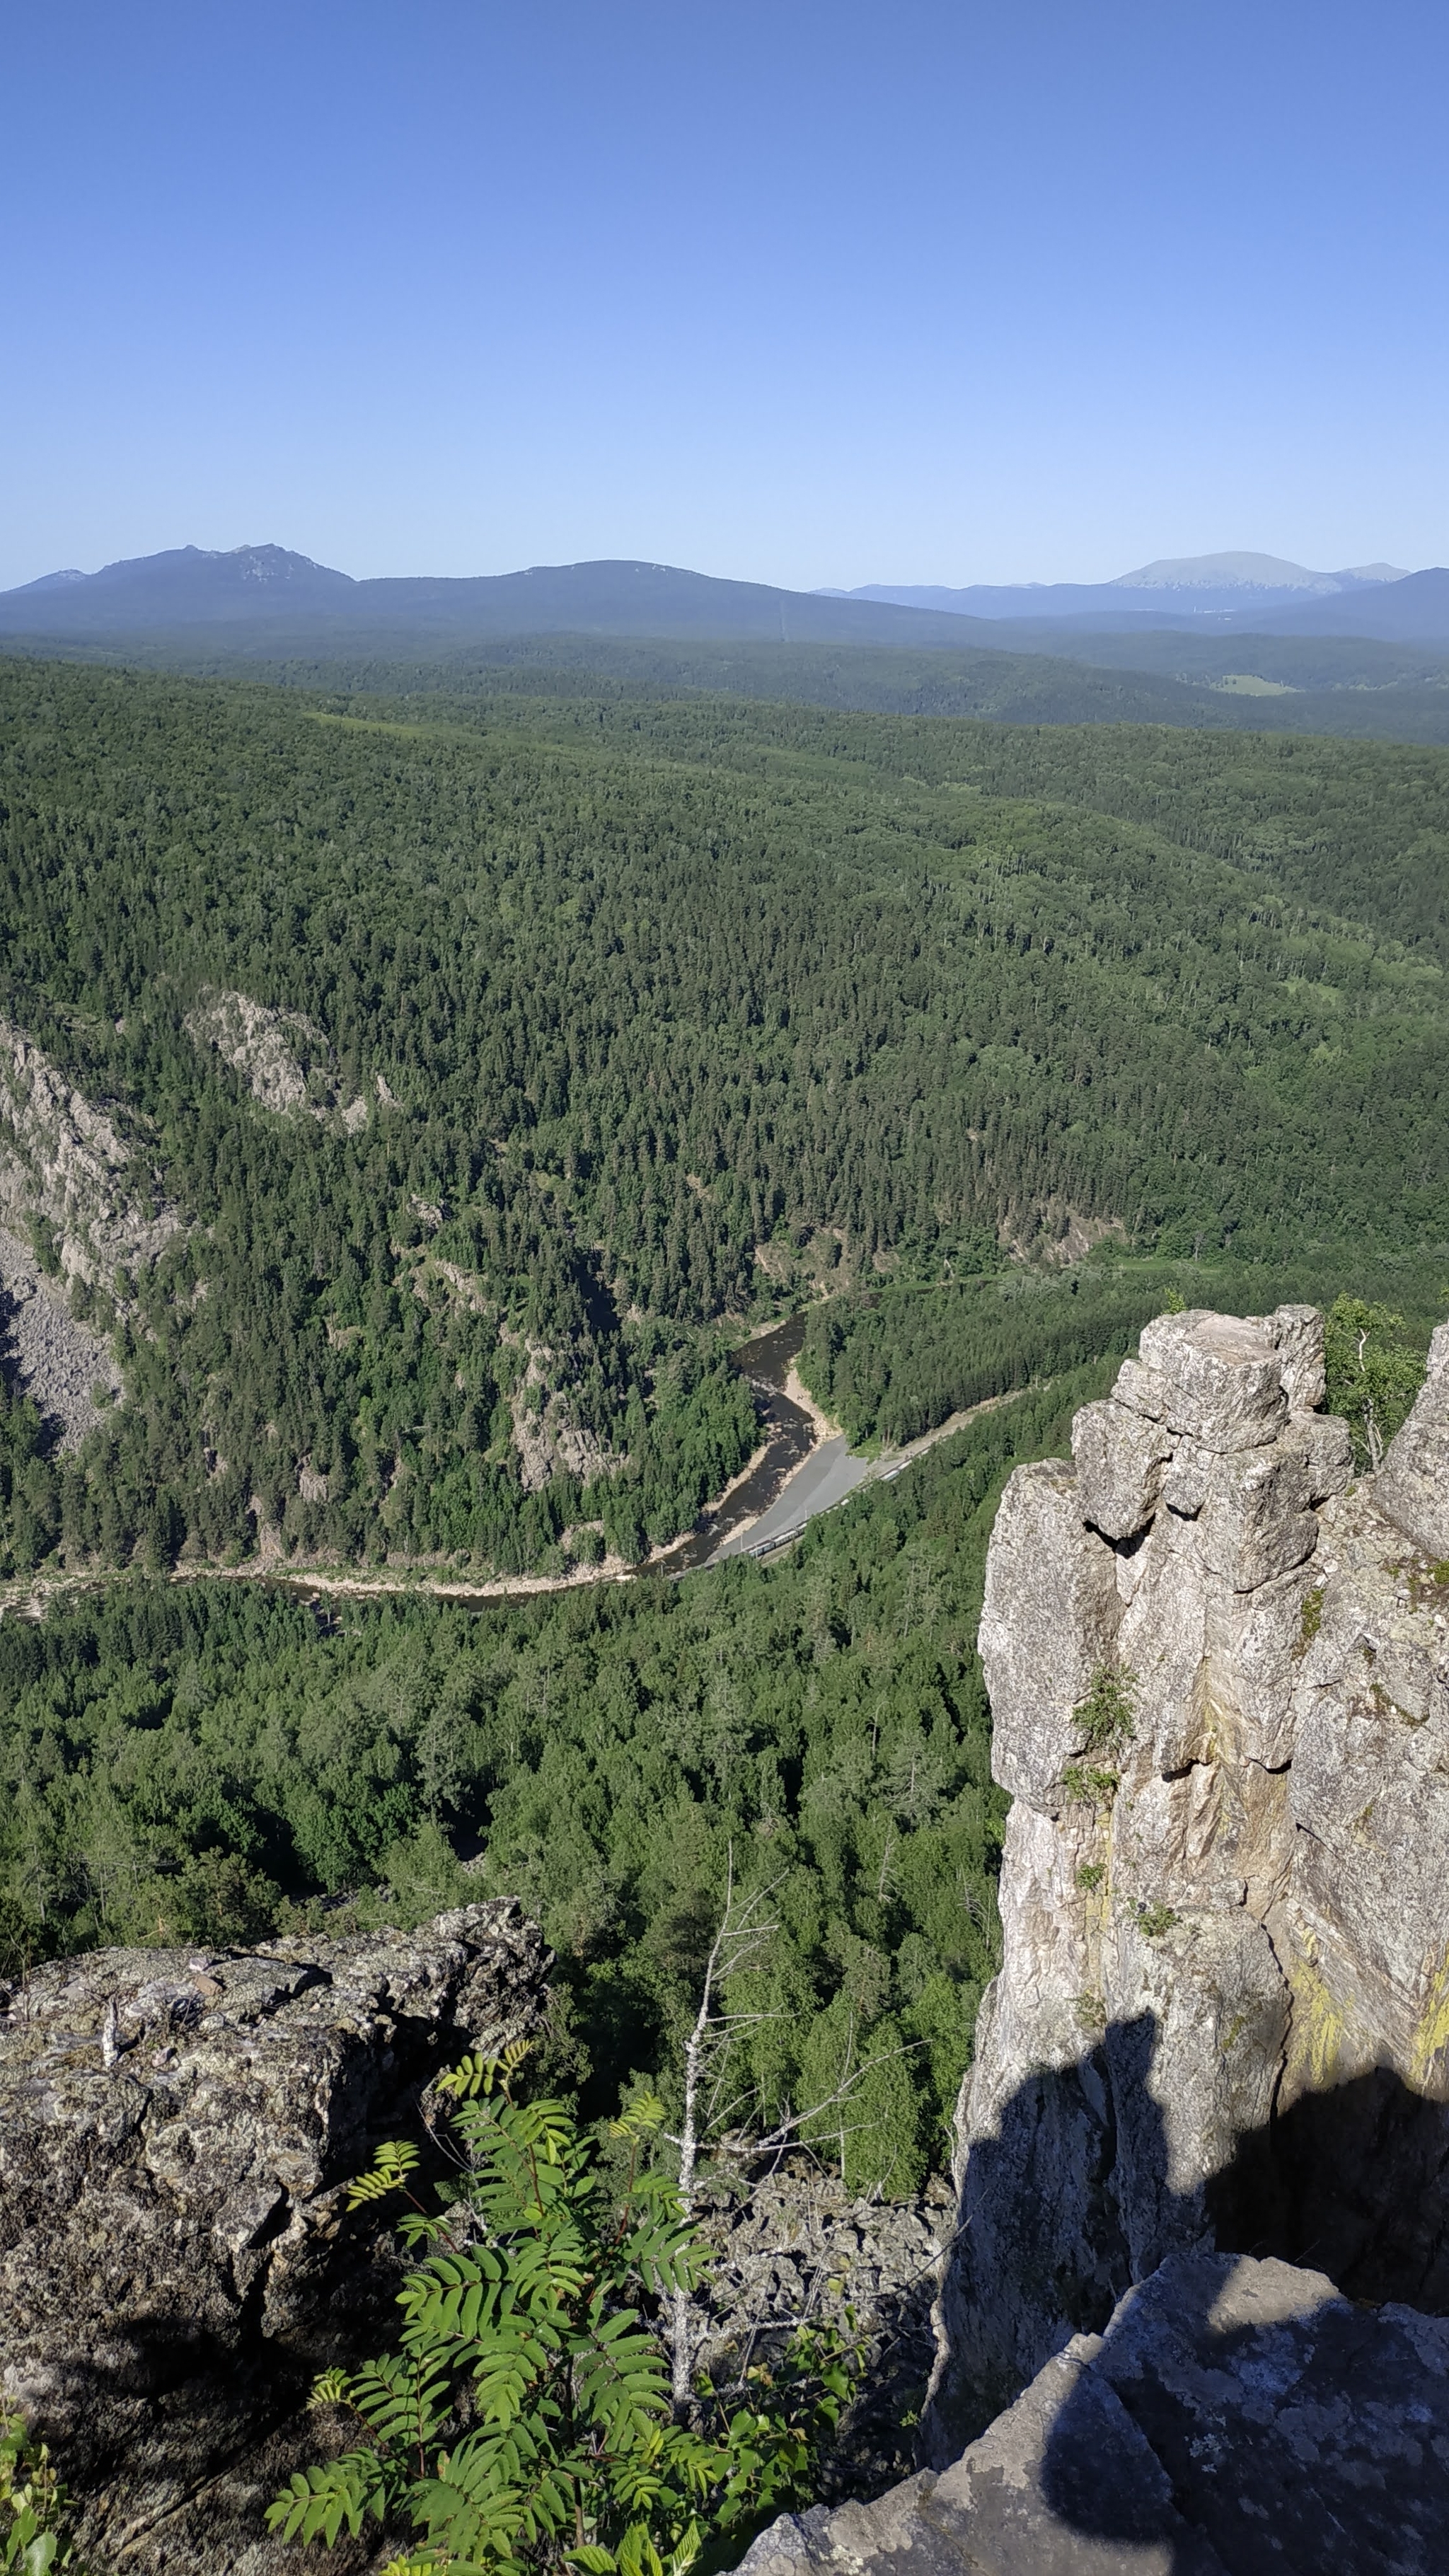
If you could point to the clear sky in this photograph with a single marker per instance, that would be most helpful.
(795, 292)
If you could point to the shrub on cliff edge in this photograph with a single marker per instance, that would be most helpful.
(526, 2421)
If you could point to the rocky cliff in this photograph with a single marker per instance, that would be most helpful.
(1238, 2418)
(65, 1160)
(285, 1060)
(176, 2261)
(1219, 1676)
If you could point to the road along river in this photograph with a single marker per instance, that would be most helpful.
(792, 1446)
(806, 1468)
(803, 1467)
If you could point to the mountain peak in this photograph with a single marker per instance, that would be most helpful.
(1241, 571)
(1223, 572)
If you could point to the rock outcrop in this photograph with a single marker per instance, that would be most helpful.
(284, 1059)
(1219, 1675)
(176, 2260)
(66, 1161)
(1238, 2418)
(48, 1354)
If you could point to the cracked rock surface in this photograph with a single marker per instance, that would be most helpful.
(1222, 2018)
(176, 2261)
(1238, 2418)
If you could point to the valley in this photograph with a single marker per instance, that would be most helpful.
(543, 1205)
(724, 1293)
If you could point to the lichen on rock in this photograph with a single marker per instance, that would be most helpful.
(176, 2259)
(1222, 2017)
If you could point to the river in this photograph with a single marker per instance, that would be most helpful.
(797, 1475)
(791, 1441)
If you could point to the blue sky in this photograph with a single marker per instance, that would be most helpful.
(792, 292)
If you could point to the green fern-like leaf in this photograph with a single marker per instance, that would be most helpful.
(316, 2505)
(391, 2167)
(640, 2119)
(476, 2074)
(529, 2401)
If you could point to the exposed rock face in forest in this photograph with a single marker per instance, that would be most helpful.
(176, 2260)
(1238, 2418)
(48, 1354)
(284, 1059)
(63, 1159)
(1219, 1674)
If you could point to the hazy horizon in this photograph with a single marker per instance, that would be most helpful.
(841, 590)
(809, 298)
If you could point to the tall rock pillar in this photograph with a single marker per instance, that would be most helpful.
(1219, 1676)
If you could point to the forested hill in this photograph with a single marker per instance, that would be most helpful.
(1372, 692)
(479, 1054)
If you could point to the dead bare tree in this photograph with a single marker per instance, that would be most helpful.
(746, 1928)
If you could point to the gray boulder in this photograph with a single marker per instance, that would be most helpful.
(176, 2260)
(1237, 2418)
(1120, 1457)
(1223, 1376)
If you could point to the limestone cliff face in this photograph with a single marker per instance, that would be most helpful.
(1223, 2013)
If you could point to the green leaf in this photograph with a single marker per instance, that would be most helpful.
(531, 2395)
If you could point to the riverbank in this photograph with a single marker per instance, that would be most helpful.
(801, 1468)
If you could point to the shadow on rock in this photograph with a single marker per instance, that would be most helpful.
(1070, 2201)
(1159, 2370)
(1354, 2181)
(1240, 2415)
(1167, 2387)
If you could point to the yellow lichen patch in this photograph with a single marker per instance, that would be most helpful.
(1431, 2036)
(1319, 2025)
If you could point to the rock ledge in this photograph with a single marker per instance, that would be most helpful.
(176, 2132)
(1238, 2418)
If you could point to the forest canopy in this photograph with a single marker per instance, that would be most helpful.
(472, 1071)
(615, 1012)
(222, 1761)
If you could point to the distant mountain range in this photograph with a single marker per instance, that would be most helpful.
(264, 597)
(269, 601)
(1184, 586)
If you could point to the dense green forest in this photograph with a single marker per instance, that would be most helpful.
(571, 1033)
(1368, 692)
(891, 1363)
(1358, 689)
(216, 1761)
(606, 999)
